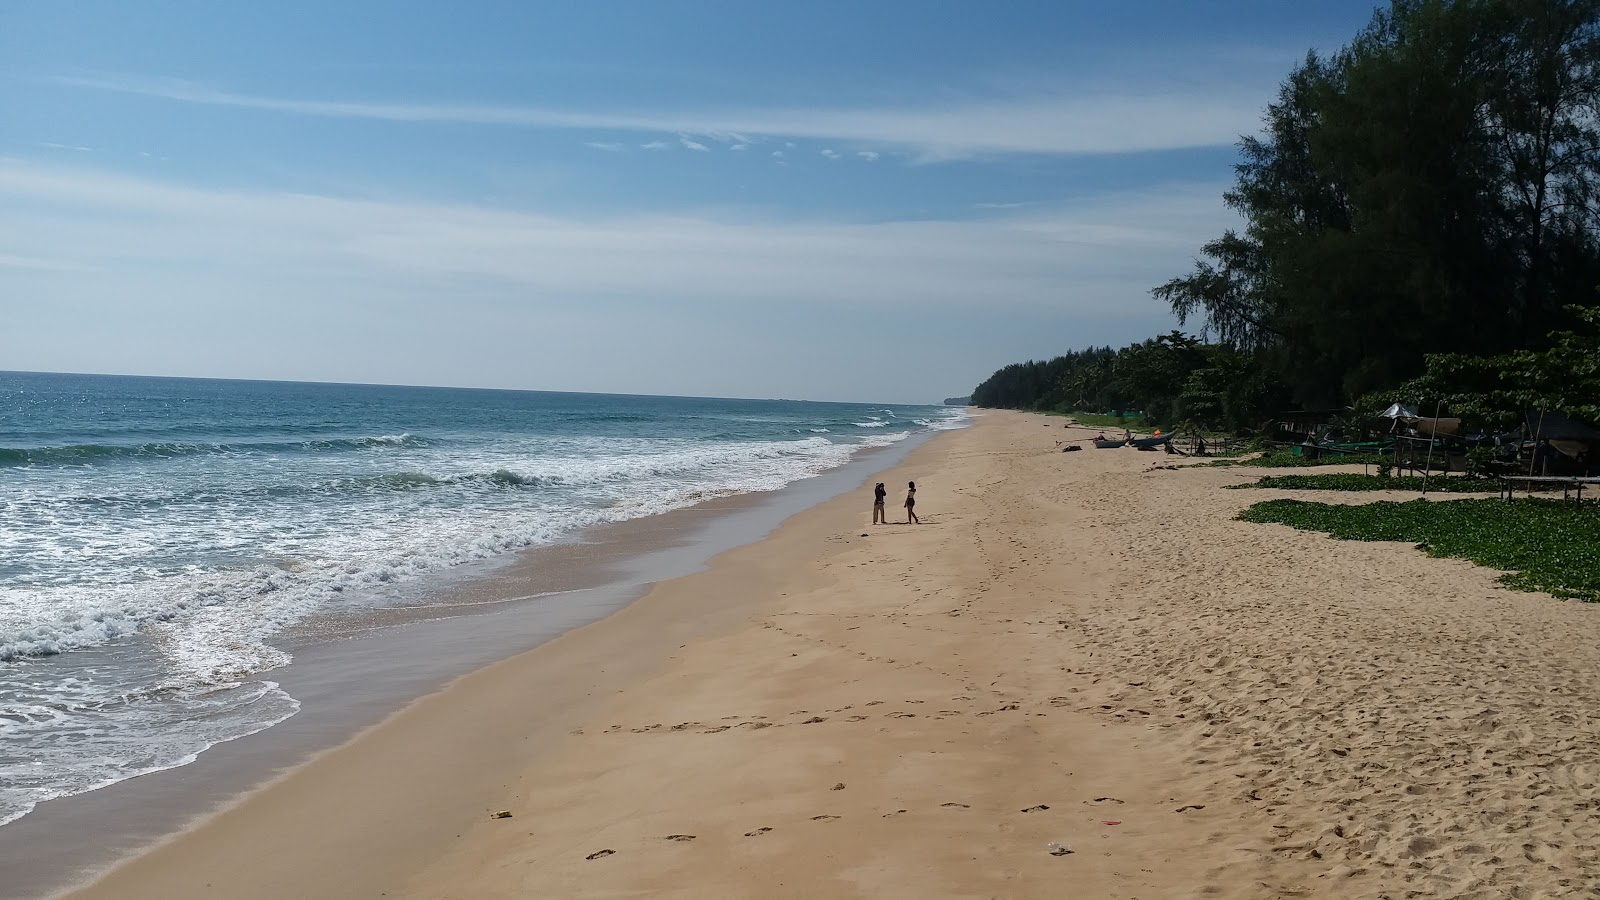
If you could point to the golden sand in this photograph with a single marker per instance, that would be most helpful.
(1075, 649)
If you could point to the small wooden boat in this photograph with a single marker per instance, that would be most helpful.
(1155, 441)
(1107, 445)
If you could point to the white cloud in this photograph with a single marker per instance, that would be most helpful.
(1100, 256)
(868, 155)
(608, 146)
(655, 145)
(108, 272)
(740, 147)
(52, 145)
(829, 153)
(39, 264)
(778, 154)
(692, 145)
(1016, 205)
(1030, 119)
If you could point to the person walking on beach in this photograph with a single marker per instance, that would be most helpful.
(879, 517)
(911, 504)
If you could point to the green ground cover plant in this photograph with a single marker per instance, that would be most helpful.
(1542, 545)
(1355, 481)
(1283, 459)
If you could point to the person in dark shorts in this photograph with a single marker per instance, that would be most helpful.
(879, 517)
(911, 504)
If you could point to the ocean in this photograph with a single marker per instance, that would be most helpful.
(157, 533)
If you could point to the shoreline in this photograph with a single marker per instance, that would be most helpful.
(259, 831)
(1082, 674)
(476, 617)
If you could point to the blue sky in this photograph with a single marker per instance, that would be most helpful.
(853, 201)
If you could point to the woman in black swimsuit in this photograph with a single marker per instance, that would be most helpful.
(911, 504)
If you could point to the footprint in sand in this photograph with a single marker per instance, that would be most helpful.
(823, 818)
(893, 814)
(856, 719)
(1191, 806)
(1040, 808)
(1105, 800)
(679, 837)
(814, 720)
(955, 805)
(759, 831)
(599, 853)
(837, 787)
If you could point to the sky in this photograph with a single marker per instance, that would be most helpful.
(868, 201)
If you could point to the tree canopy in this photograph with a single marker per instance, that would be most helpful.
(1430, 190)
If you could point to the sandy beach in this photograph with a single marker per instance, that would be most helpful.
(1074, 648)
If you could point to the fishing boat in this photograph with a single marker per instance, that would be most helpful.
(1154, 441)
(1107, 445)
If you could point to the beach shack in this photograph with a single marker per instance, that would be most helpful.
(1574, 446)
(1304, 426)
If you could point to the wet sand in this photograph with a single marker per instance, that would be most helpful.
(1074, 648)
(354, 667)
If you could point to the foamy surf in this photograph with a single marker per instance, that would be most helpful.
(147, 561)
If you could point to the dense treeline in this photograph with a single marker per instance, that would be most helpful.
(1173, 379)
(1431, 188)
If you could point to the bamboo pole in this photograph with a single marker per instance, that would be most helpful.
(1433, 435)
(1538, 430)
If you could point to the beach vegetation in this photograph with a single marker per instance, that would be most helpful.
(1096, 420)
(1542, 545)
(1420, 221)
(1283, 459)
(1357, 481)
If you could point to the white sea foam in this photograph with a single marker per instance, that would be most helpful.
(209, 558)
(97, 740)
(230, 609)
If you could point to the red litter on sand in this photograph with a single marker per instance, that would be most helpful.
(1109, 822)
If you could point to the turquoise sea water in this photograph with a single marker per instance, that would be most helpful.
(156, 533)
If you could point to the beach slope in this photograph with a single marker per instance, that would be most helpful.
(1081, 677)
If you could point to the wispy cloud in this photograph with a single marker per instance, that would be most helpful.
(655, 145)
(1028, 120)
(830, 153)
(868, 155)
(692, 145)
(1016, 205)
(52, 145)
(40, 264)
(1101, 256)
(608, 146)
